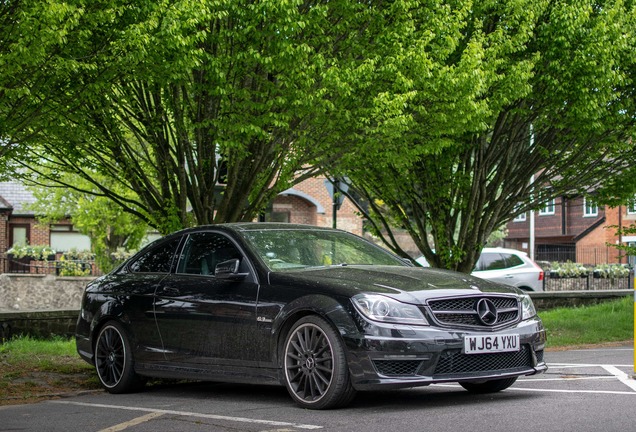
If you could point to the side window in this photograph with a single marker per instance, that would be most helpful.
(156, 260)
(512, 260)
(492, 261)
(203, 251)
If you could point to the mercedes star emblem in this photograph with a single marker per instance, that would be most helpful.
(486, 311)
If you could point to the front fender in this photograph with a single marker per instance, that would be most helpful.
(90, 320)
(338, 313)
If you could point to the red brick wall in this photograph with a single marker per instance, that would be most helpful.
(305, 212)
(300, 210)
(4, 233)
(592, 248)
(38, 234)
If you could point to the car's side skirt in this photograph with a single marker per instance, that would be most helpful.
(246, 375)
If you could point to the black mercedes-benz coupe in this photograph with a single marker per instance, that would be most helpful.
(323, 312)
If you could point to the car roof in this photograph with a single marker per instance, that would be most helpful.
(252, 226)
(500, 249)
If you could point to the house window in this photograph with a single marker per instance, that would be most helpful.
(19, 235)
(64, 238)
(590, 208)
(548, 208)
(276, 216)
(520, 218)
(631, 206)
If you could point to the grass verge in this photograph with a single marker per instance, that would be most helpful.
(607, 322)
(34, 370)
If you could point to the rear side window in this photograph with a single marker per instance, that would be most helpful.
(492, 261)
(156, 260)
(512, 260)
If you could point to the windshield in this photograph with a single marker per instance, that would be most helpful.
(289, 249)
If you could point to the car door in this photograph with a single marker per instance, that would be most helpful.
(205, 319)
(136, 289)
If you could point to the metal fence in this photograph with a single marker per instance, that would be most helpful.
(55, 267)
(592, 255)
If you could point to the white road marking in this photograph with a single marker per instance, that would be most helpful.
(532, 380)
(193, 414)
(613, 370)
(549, 390)
(570, 391)
(583, 365)
(622, 376)
(133, 422)
(601, 350)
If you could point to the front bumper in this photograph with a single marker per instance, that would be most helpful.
(409, 356)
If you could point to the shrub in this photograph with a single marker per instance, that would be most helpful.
(37, 252)
(568, 270)
(611, 271)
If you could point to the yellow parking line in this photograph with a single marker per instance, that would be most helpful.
(191, 414)
(133, 422)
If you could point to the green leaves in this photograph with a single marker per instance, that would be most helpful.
(202, 111)
(170, 98)
(499, 92)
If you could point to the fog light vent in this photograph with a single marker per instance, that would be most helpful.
(397, 367)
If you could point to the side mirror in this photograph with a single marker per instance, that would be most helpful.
(229, 270)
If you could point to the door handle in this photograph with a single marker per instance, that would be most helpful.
(171, 291)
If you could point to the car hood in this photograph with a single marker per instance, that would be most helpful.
(406, 284)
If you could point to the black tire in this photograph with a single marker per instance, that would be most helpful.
(316, 373)
(492, 386)
(114, 361)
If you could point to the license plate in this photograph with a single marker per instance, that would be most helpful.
(491, 344)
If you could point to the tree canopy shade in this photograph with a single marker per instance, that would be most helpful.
(508, 90)
(171, 98)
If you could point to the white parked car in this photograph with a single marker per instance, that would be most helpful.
(506, 266)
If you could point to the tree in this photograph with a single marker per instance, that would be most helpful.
(510, 91)
(32, 77)
(106, 224)
(172, 98)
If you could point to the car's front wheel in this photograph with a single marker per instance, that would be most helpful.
(315, 366)
(114, 360)
(491, 386)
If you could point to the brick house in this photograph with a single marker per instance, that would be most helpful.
(17, 223)
(19, 226)
(574, 229)
(310, 203)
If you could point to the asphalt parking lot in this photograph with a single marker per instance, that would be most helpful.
(584, 390)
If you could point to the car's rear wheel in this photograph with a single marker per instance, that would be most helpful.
(491, 386)
(114, 361)
(315, 366)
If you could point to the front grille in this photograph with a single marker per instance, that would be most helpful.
(463, 311)
(453, 362)
(397, 367)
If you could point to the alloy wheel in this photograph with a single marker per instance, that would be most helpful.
(309, 363)
(110, 356)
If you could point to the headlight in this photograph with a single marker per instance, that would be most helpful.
(527, 307)
(387, 310)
